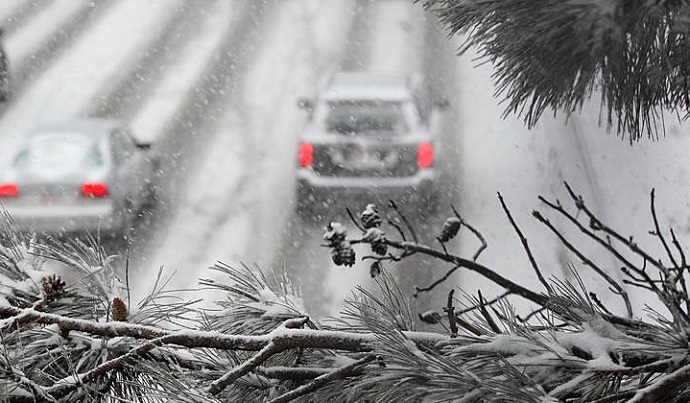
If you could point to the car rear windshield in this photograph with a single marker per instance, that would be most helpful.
(365, 116)
(60, 152)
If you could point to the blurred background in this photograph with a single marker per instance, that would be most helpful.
(212, 86)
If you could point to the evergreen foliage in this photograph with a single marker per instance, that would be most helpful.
(552, 54)
(83, 340)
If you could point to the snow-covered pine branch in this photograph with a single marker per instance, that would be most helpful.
(554, 55)
(63, 341)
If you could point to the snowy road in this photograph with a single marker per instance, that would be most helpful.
(214, 85)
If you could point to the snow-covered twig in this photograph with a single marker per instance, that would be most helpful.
(229, 377)
(66, 385)
(319, 381)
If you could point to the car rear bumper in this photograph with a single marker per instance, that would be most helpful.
(416, 186)
(57, 220)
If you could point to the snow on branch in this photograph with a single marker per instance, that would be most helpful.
(66, 342)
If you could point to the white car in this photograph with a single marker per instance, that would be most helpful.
(78, 177)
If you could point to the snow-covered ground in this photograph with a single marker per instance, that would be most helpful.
(238, 202)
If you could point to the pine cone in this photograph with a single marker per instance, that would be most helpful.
(375, 269)
(343, 254)
(379, 247)
(53, 287)
(335, 234)
(341, 249)
(377, 239)
(370, 217)
(450, 229)
(119, 310)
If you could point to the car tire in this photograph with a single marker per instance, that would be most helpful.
(309, 204)
(304, 200)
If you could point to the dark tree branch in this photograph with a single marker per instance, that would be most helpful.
(450, 312)
(587, 261)
(354, 220)
(292, 373)
(597, 225)
(264, 354)
(341, 372)
(437, 282)
(657, 229)
(452, 270)
(525, 245)
(660, 388)
(64, 386)
(489, 320)
(405, 221)
(509, 285)
(483, 245)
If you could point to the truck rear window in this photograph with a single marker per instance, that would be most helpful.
(350, 117)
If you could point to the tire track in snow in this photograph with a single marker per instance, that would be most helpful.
(21, 13)
(189, 129)
(299, 248)
(34, 60)
(271, 89)
(223, 209)
(186, 136)
(168, 96)
(354, 56)
(436, 57)
(8, 10)
(63, 90)
(390, 37)
(128, 94)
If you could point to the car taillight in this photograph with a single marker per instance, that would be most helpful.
(94, 189)
(9, 190)
(306, 154)
(425, 155)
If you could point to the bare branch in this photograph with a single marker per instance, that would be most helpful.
(599, 226)
(587, 261)
(525, 245)
(437, 282)
(657, 229)
(476, 233)
(405, 221)
(397, 227)
(450, 312)
(354, 220)
(509, 285)
(487, 316)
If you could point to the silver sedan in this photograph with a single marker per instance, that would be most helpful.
(79, 177)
